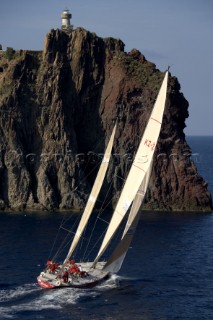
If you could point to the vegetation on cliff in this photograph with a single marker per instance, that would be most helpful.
(57, 109)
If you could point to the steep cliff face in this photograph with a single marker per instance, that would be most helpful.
(57, 110)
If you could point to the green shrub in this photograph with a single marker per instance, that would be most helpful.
(9, 53)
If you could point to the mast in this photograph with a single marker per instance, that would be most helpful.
(139, 167)
(93, 195)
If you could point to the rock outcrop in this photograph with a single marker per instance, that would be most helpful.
(57, 111)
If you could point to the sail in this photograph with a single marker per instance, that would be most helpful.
(138, 200)
(93, 195)
(139, 167)
(114, 263)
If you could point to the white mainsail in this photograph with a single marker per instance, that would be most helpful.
(93, 195)
(114, 263)
(139, 167)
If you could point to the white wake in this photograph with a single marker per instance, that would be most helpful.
(30, 297)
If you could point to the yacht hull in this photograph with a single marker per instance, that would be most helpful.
(83, 285)
(92, 277)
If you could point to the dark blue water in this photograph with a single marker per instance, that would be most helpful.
(167, 275)
(202, 155)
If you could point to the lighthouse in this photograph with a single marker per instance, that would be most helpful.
(65, 17)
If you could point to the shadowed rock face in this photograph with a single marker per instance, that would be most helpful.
(57, 111)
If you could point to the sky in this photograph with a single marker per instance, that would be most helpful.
(178, 33)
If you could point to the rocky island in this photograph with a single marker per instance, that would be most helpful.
(57, 111)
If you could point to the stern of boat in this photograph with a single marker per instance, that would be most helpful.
(44, 284)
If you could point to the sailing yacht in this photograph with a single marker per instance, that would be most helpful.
(84, 274)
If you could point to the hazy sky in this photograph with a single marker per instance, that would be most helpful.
(178, 33)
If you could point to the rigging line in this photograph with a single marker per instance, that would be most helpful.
(63, 245)
(105, 198)
(54, 242)
(93, 169)
(106, 204)
(64, 219)
(96, 147)
(82, 239)
(56, 237)
(99, 143)
(82, 193)
(100, 212)
(75, 222)
(119, 177)
(70, 231)
(67, 230)
(96, 243)
(88, 243)
(91, 235)
(69, 217)
(103, 220)
(65, 239)
(98, 217)
(86, 177)
(73, 226)
(86, 254)
(80, 244)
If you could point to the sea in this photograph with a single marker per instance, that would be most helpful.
(167, 273)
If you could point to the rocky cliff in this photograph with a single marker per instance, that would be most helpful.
(57, 111)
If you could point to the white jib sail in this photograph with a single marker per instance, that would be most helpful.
(93, 195)
(139, 167)
(114, 263)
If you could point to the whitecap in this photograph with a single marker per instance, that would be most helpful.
(17, 292)
(111, 283)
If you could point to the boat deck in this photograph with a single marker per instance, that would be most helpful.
(48, 279)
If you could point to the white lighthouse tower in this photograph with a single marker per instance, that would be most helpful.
(65, 17)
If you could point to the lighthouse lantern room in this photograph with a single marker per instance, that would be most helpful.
(65, 17)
